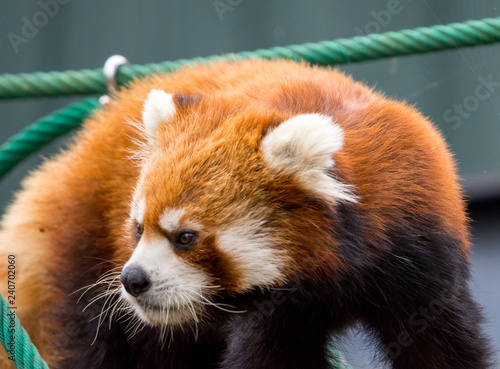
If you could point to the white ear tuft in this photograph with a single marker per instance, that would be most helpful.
(306, 140)
(158, 107)
(304, 146)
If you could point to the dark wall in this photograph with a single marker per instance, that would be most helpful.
(446, 86)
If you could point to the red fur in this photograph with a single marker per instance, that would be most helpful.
(393, 157)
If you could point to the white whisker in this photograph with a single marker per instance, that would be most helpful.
(108, 295)
(206, 301)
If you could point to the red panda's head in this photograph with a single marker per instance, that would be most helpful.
(229, 199)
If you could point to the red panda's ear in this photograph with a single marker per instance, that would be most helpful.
(304, 146)
(158, 107)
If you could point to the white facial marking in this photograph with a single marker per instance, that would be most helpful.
(258, 261)
(140, 210)
(304, 146)
(158, 107)
(176, 287)
(170, 219)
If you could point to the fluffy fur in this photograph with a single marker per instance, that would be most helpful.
(259, 207)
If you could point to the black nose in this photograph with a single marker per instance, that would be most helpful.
(135, 280)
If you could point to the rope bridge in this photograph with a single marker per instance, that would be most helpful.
(85, 82)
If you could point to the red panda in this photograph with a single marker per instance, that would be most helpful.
(237, 214)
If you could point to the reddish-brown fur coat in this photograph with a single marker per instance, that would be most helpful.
(72, 213)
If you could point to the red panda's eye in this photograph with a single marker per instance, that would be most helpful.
(185, 240)
(139, 230)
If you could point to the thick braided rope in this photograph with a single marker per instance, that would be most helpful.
(26, 356)
(337, 359)
(42, 132)
(360, 48)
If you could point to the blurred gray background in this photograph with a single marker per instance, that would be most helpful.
(445, 86)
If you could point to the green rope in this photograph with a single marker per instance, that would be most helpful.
(42, 132)
(20, 348)
(360, 48)
(337, 359)
(356, 49)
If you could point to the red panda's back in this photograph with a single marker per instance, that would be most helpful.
(393, 155)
